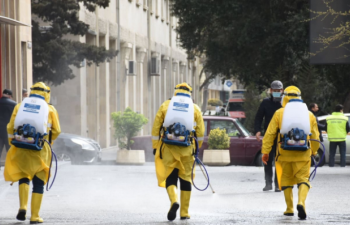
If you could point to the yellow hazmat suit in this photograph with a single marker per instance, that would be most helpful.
(53, 109)
(24, 164)
(175, 162)
(292, 167)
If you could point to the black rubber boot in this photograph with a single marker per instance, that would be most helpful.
(21, 215)
(301, 212)
(267, 187)
(35, 222)
(172, 211)
(184, 218)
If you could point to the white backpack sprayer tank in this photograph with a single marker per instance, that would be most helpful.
(31, 123)
(295, 126)
(179, 121)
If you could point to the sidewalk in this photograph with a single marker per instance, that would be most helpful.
(109, 155)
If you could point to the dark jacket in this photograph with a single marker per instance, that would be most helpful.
(6, 108)
(320, 127)
(266, 109)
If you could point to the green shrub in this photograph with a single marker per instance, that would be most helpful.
(215, 102)
(218, 139)
(127, 124)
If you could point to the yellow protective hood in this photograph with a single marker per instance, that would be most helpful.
(41, 89)
(289, 93)
(48, 96)
(183, 88)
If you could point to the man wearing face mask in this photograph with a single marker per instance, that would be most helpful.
(266, 110)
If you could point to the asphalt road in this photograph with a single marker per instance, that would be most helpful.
(111, 194)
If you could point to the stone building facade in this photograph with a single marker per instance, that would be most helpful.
(15, 46)
(149, 64)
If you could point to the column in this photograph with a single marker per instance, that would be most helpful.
(126, 50)
(183, 72)
(141, 93)
(165, 62)
(104, 131)
(113, 85)
(175, 71)
(155, 90)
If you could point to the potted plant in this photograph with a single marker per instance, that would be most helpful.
(218, 153)
(127, 124)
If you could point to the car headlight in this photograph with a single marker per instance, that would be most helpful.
(84, 145)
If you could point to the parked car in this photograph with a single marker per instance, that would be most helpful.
(234, 107)
(322, 120)
(244, 148)
(76, 149)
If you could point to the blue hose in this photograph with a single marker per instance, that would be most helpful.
(54, 178)
(313, 173)
(199, 162)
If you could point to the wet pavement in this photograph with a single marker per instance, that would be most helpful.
(114, 194)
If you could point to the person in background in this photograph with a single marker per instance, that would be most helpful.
(217, 110)
(266, 110)
(6, 108)
(223, 110)
(313, 107)
(337, 127)
(24, 93)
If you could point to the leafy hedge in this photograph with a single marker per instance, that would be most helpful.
(215, 102)
(218, 139)
(127, 124)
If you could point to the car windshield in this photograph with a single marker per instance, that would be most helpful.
(243, 129)
(235, 106)
(228, 125)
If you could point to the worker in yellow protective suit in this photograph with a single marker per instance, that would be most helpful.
(292, 167)
(25, 165)
(54, 110)
(175, 162)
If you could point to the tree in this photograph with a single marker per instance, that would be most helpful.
(243, 38)
(334, 18)
(256, 42)
(127, 124)
(52, 53)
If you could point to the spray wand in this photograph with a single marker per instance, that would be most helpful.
(313, 173)
(201, 165)
(48, 179)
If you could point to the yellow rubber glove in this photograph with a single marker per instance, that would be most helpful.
(265, 158)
